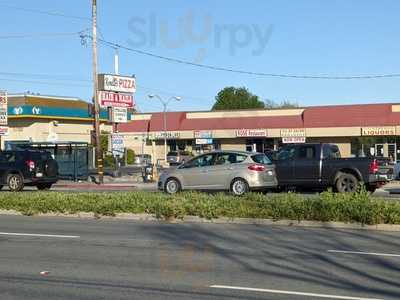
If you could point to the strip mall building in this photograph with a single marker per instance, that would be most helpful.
(372, 129)
(356, 129)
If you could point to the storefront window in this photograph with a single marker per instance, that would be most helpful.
(217, 145)
(376, 147)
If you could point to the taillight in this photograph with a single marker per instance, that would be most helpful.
(373, 167)
(257, 168)
(30, 164)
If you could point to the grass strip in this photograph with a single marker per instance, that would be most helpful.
(358, 207)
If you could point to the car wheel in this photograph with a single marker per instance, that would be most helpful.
(172, 186)
(15, 182)
(347, 183)
(239, 187)
(44, 186)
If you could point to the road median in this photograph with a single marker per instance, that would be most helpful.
(357, 208)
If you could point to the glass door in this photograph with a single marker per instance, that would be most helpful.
(379, 150)
(392, 152)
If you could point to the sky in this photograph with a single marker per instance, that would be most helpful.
(303, 37)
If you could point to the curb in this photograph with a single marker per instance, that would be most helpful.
(222, 220)
(94, 186)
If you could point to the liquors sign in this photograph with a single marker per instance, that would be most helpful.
(379, 131)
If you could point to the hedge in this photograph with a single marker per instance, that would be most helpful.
(358, 207)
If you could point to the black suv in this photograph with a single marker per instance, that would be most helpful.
(27, 168)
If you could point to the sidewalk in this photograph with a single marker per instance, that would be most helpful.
(116, 185)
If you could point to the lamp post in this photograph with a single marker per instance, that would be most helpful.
(165, 105)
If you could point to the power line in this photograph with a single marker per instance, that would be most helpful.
(39, 35)
(180, 61)
(66, 77)
(237, 71)
(42, 12)
(43, 82)
(46, 76)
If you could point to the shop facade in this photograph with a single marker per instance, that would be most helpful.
(358, 130)
(52, 119)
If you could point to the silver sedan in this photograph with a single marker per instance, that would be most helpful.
(236, 171)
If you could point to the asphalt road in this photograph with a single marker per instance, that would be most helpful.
(108, 259)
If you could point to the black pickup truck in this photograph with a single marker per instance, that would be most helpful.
(27, 167)
(320, 166)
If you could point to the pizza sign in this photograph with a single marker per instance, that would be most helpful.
(116, 83)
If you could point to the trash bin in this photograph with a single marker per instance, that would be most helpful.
(147, 173)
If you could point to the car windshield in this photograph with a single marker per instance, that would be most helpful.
(172, 153)
(261, 159)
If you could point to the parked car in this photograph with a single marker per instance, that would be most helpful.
(270, 154)
(142, 159)
(27, 168)
(321, 166)
(233, 171)
(178, 157)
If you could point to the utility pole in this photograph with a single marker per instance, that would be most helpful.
(116, 61)
(99, 154)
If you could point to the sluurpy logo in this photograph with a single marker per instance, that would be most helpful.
(159, 32)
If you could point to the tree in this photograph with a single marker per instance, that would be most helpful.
(271, 104)
(236, 98)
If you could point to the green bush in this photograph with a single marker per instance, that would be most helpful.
(130, 156)
(109, 161)
(357, 207)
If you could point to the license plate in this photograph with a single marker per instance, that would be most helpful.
(39, 175)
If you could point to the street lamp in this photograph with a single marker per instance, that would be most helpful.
(165, 105)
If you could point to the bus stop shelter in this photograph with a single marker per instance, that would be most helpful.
(72, 157)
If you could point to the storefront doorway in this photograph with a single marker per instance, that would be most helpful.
(379, 150)
(260, 145)
(376, 147)
(386, 150)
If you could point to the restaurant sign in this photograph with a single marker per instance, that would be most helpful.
(379, 131)
(118, 115)
(110, 99)
(204, 141)
(294, 140)
(293, 132)
(168, 135)
(203, 134)
(3, 108)
(116, 83)
(3, 130)
(251, 133)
